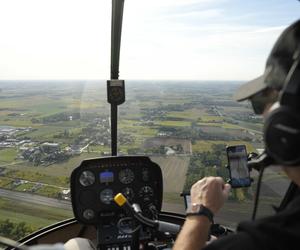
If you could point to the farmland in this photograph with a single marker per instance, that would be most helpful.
(174, 170)
(23, 211)
(172, 122)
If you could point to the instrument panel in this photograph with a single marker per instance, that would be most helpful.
(96, 181)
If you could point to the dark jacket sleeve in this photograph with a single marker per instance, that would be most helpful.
(280, 231)
(235, 241)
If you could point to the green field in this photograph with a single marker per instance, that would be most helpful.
(210, 118)
(48, 132)
(205, 145)
(136, 128)
(24, 187)
(7, 155)
(5, 182)
(35, 216)
(54, 174)
(189, 114)
(220, 124)
(49, 191)
(174, 123)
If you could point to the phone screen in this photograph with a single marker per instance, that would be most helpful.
(187, 199)
(238, 167)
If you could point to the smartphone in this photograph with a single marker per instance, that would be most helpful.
(187, 199)
(238, 167)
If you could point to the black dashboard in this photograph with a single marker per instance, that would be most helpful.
(95, 183)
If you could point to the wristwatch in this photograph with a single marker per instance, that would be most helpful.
(200, 210)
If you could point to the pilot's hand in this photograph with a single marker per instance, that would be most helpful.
(211, 192)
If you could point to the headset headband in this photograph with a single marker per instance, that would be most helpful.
(291, 89)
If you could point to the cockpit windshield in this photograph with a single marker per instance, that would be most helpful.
(181, 62)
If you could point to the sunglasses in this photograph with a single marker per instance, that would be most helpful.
(260, 100)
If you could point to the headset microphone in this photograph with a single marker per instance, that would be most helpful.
(260, 162)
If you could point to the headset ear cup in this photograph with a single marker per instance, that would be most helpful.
(282, 136)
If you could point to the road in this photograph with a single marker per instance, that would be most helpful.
(41, 200)
(11, 164)
(36, 199)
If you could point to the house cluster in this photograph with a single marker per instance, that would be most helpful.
(8, 136)
(43, 154)
(33, 187)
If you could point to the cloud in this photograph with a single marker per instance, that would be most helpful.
(269, 29)
(176, 3)
(203, 14)
(162, 39)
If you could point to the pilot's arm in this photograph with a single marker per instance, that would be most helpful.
(235, 241)
(210, 192)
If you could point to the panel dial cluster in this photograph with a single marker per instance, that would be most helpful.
(96, 181)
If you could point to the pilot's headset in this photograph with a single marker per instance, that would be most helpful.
(282, 125)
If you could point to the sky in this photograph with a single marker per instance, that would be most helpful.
(161, 39)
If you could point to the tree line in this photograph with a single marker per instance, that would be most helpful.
(13, 230)
(212, 163)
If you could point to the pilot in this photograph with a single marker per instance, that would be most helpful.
(282, 230)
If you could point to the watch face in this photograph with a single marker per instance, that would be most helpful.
(195, 208)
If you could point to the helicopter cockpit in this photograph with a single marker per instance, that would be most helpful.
(119, 200)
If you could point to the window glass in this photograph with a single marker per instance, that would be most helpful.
(190, 56)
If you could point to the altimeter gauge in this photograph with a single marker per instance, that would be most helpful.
(87, 178)
(126, 176)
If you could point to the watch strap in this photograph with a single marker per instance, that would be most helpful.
(200, 210)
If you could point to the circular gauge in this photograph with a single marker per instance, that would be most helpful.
(146, 193)
(106, 196)
(128, 193)
(126, 176)
(88, 214)
(87, 178)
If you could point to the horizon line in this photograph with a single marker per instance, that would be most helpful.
(181, 80)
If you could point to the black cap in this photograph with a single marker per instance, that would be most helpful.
(278, 64)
